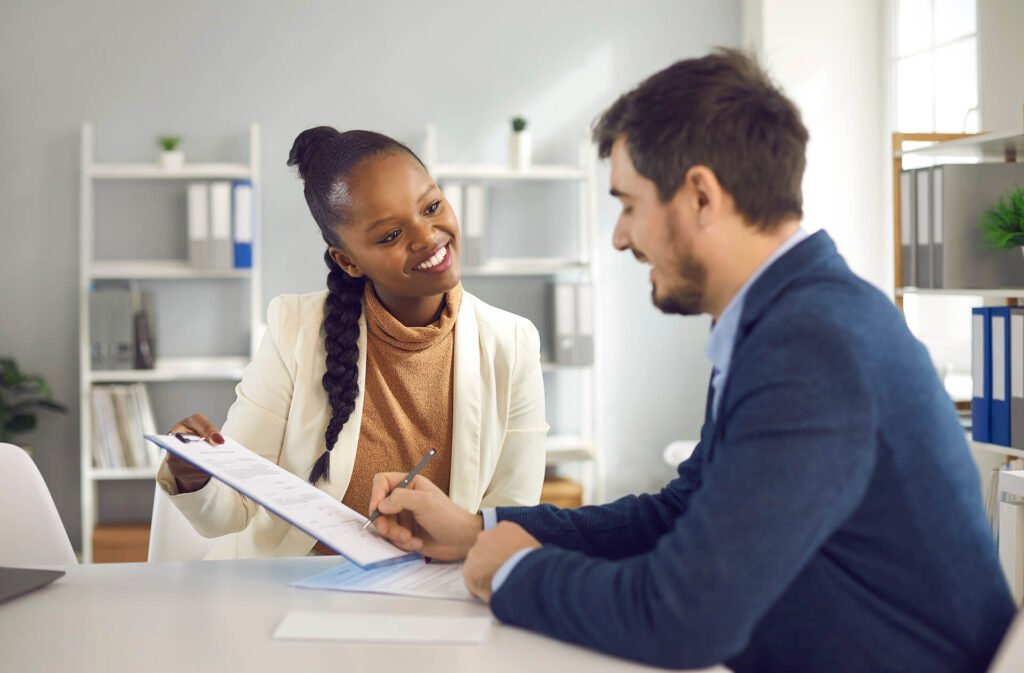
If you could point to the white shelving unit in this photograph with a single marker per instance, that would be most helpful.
(983, 147)
(986, 147)
(998, 449)
(171, 271)
(582, 447)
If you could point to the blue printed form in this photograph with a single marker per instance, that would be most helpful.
(416, 578)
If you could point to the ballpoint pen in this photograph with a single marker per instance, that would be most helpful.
(405, 482)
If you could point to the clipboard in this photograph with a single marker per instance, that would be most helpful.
(288, 496)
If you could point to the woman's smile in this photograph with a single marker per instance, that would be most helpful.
(438, 262)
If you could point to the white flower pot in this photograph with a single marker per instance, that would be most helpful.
(172, 160)
(520, 150)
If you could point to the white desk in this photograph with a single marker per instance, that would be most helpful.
(221, 615)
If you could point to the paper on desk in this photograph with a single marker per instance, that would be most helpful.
(422, 580)
(361, 627)
(290, 497)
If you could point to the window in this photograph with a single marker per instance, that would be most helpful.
(935, 65)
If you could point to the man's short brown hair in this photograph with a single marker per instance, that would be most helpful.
(719, 111)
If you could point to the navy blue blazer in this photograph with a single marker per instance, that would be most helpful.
(830, 520)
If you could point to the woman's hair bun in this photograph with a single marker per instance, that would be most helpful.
(307, 144)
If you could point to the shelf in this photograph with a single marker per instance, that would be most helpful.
(999, 292)
(177, 369)
(500, 172)
(997, 448)
(564, 448)
(525, 266)
(158, 268)
(123, 473)
(198, 171)
(991, 146)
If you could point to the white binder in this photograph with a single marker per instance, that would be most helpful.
(221, 247)
(199, 224)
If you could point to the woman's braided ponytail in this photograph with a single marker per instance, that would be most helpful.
(341, 380)
(325, 158)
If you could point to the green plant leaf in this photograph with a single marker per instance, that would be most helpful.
(21, 423)
(168, 143)
(1002, 225)
(10, 375)
(36, 402)
(42, 386)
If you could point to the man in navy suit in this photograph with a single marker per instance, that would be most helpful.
(831, 517)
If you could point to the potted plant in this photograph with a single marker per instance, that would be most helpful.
(1002, 225)
(20, 396)
(171, 158)
(520, 145)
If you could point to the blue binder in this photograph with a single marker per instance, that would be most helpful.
(244, 222)
(981, 374)
(999, 407)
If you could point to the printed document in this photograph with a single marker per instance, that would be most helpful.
(290, 497)
(419, 579)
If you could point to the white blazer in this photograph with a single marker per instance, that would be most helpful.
(281, 413)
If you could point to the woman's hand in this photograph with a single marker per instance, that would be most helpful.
(420, 517)
(187, 476)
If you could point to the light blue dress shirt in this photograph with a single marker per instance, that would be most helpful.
(718, 350)
(723, 332)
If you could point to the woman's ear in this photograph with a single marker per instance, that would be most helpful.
(344, 262)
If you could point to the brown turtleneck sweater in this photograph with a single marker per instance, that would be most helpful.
(407, 398)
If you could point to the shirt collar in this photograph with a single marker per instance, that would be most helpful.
(723, 331)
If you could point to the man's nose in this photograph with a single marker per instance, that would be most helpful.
(620, 236)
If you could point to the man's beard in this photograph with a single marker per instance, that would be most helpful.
(688, 297)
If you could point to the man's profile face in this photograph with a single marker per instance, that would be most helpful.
(659, 234)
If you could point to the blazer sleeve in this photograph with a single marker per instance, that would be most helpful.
(631, 525)
(519, 472)
(793, 462)
(257, 420)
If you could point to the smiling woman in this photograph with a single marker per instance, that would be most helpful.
(392, 361)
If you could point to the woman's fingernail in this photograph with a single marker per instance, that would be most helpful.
(217, 438)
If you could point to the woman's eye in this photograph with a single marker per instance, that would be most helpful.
(433, 207)
(390, 237)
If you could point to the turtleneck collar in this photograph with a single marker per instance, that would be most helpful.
(381, 325)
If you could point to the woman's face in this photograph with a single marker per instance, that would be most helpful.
(401, 234)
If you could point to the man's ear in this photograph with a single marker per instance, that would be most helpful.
(706, 193)
(345, 262)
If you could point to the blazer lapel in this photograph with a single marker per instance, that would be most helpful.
(343, 455)
(465, 471)
(709, 431)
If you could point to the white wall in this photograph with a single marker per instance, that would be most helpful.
(829, 58)
(1001, 65)
(207, 69)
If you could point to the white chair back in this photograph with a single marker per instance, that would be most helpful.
(1010, 655)
(171, 536)
(31, 532)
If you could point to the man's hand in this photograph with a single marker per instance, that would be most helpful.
(420, 517)
(493, 547)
